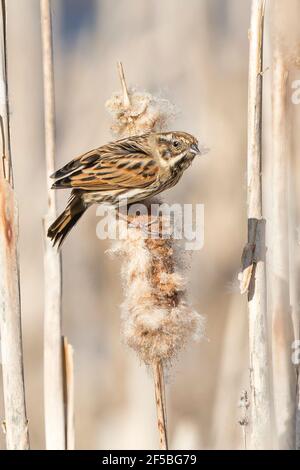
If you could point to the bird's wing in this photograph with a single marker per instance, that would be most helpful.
(118, 165)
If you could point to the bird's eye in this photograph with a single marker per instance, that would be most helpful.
(176, 143)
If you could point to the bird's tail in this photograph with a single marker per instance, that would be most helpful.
(58, 231)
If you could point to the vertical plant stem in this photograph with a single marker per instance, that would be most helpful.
(258, 344)
(53, 346)
(284, 373)
(294, 234)
(69, 389)
(126, 99)
(157, 367)
(294, 255)
(16, 425)
(158, 376)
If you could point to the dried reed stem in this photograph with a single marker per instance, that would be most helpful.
(294, 274)
(254, 270)
(16, 425)
(126, 99)
(284, 373)
(158, 376)
(69, 392)
(244, 420)
(53, 347)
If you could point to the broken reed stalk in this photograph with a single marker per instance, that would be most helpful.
(16, 424)
(157, 320)
(254, 267)
(284, 372)
(53, 345)
(126, 100)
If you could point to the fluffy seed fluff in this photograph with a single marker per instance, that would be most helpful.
(157, 320)
(146, 113)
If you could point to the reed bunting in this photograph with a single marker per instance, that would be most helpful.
(130, 169)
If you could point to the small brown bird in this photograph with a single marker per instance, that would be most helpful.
(130, 169)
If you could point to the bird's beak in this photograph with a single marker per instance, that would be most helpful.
(195, 149)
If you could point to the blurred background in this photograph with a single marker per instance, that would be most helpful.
(194, 53)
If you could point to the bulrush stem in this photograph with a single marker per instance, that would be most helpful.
(158, 376)
(158, 373)
(157, 319)
(126, 99)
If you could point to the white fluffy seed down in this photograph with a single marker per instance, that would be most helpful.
(145, 114)
(157, 321)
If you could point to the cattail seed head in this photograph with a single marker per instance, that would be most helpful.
(157, 320)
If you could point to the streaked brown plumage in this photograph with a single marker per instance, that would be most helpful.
(130, 169)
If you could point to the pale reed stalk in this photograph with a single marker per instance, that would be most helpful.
(281, 302)
(53, 343)
(69, 394)
(253, 280)
(16, 425)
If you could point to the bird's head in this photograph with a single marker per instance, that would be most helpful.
(176, 146)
